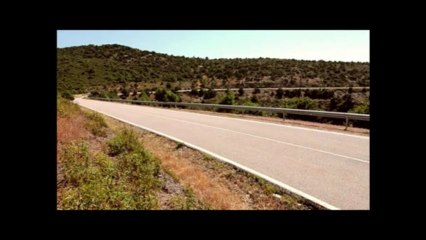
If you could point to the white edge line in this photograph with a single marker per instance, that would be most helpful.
(255, 121)
(276, 182)
(264, 138)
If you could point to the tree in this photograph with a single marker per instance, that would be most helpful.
(334, 102)
(256, 91)
(159, 95)
(124, 93)
(193, 92)
(209, 94)
(254, 99)
(229, 98)
(280, 93)
(241, 91)
(347, 103)
(177, 88)
(67, 95)
(91, 94)
(144, 96)
(164, 95)
(201, 93)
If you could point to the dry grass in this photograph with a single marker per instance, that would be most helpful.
(214, 194)
(71, 129)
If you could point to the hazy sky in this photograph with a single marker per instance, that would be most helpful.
(335, 45)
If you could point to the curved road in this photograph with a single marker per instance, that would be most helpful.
(329, 168)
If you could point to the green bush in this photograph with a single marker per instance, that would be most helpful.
(210, 94)
(166, 96)
(65, 108)
(141, 169)
(76, 160)
(252, 104)
(100, 182)
(144, 96)
(96, 124)
(229, 98)
(241, 91)
(125, 141)
(254, 99)
(361, 108)
(67, 95)
(299, 103)
(280, 93)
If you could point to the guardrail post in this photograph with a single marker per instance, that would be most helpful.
(346, 123)
(284, 116)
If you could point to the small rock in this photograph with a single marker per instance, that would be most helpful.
(276, 195)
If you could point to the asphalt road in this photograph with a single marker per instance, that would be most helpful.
(330, 168)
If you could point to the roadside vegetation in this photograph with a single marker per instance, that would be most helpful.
(104, 164)
(103, 169)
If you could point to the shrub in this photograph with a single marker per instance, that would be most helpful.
(76, 162)
(96, 124)
(346, 104)
(241, 91)
(193, 92)
(229, 98)
(67, 95)
(299, 103)
(125, 141)
(166, 96)
(252, 104)
(254, 99)
(100, 182)
(141, 169)
(144, 96)
(210, 94)
(280, 93)
(361, 108)
(201, 93)
(256, 91)
(66, 108)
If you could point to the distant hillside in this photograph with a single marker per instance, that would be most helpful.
(83, 67)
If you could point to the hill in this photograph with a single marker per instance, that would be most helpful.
(83, 67)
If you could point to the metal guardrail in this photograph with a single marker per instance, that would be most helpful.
(283, 88)
(284, 111)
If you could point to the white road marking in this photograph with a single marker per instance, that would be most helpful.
(264, 138)
(265, 123)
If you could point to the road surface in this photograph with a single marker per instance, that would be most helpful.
(330, 168)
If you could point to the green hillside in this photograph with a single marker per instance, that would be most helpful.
(81, 68)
